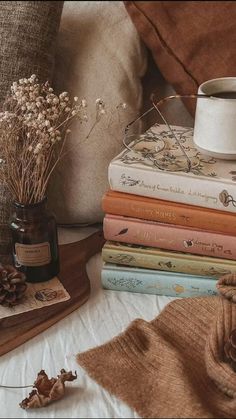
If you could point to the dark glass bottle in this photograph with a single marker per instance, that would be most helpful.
(34, 241)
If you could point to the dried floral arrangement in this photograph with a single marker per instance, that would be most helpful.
(34, 125)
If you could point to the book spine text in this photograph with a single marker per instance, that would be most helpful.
(166, 262)
(169, 236)
(174, 187)
(156, 284)
(168, 212)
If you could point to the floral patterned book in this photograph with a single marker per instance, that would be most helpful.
(166, 260)
(148, 281)
(155, 165)
(169, 236)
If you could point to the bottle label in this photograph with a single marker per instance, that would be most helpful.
(33, 254)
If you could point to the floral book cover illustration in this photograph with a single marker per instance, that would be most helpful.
(167, 260)
(154, 165)
(148, 281)
(169, 236)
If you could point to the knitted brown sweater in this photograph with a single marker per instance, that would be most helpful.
(173, 366)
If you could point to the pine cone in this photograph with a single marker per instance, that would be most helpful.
(230, 349)
(12, 285)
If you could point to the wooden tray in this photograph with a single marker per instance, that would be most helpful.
(18, 329)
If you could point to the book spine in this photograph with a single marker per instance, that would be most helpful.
(172, 186)
(166, 262)
(157, 284)
(169, 236)
(168, 212)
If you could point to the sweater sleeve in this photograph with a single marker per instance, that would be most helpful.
(123, 367)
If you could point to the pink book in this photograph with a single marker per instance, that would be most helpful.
(169, 236)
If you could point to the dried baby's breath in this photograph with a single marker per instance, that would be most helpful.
(34, 126)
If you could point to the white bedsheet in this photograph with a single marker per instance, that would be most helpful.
(104, 315)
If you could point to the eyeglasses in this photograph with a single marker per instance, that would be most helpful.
(160, 156)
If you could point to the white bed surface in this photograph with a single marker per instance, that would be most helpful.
(104, 315)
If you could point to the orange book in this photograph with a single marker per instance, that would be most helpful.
(152, 209)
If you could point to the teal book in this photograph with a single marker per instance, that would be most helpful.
(148, 281)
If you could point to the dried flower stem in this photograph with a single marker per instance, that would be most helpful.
(34, 128)
(33, 131)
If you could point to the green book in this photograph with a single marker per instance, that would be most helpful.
(166, 260)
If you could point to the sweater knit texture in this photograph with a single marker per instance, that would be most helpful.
(173, 366)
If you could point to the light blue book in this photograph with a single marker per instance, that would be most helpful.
(148, 281)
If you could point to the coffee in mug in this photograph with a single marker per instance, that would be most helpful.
(225, 95)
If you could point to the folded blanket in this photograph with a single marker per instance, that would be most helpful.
(177, 365)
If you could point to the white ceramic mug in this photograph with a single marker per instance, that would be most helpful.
(215, 119)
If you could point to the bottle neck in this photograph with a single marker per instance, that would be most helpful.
(30, 211)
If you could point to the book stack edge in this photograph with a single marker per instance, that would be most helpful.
(170, 229)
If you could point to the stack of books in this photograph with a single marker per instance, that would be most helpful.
(170, 222)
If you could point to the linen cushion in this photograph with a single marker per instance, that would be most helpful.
(28, 33)
(99, 55)
(191, 41)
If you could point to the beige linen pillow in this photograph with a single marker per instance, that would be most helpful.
(99, 55)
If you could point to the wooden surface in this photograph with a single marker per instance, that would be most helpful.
(18, 329)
